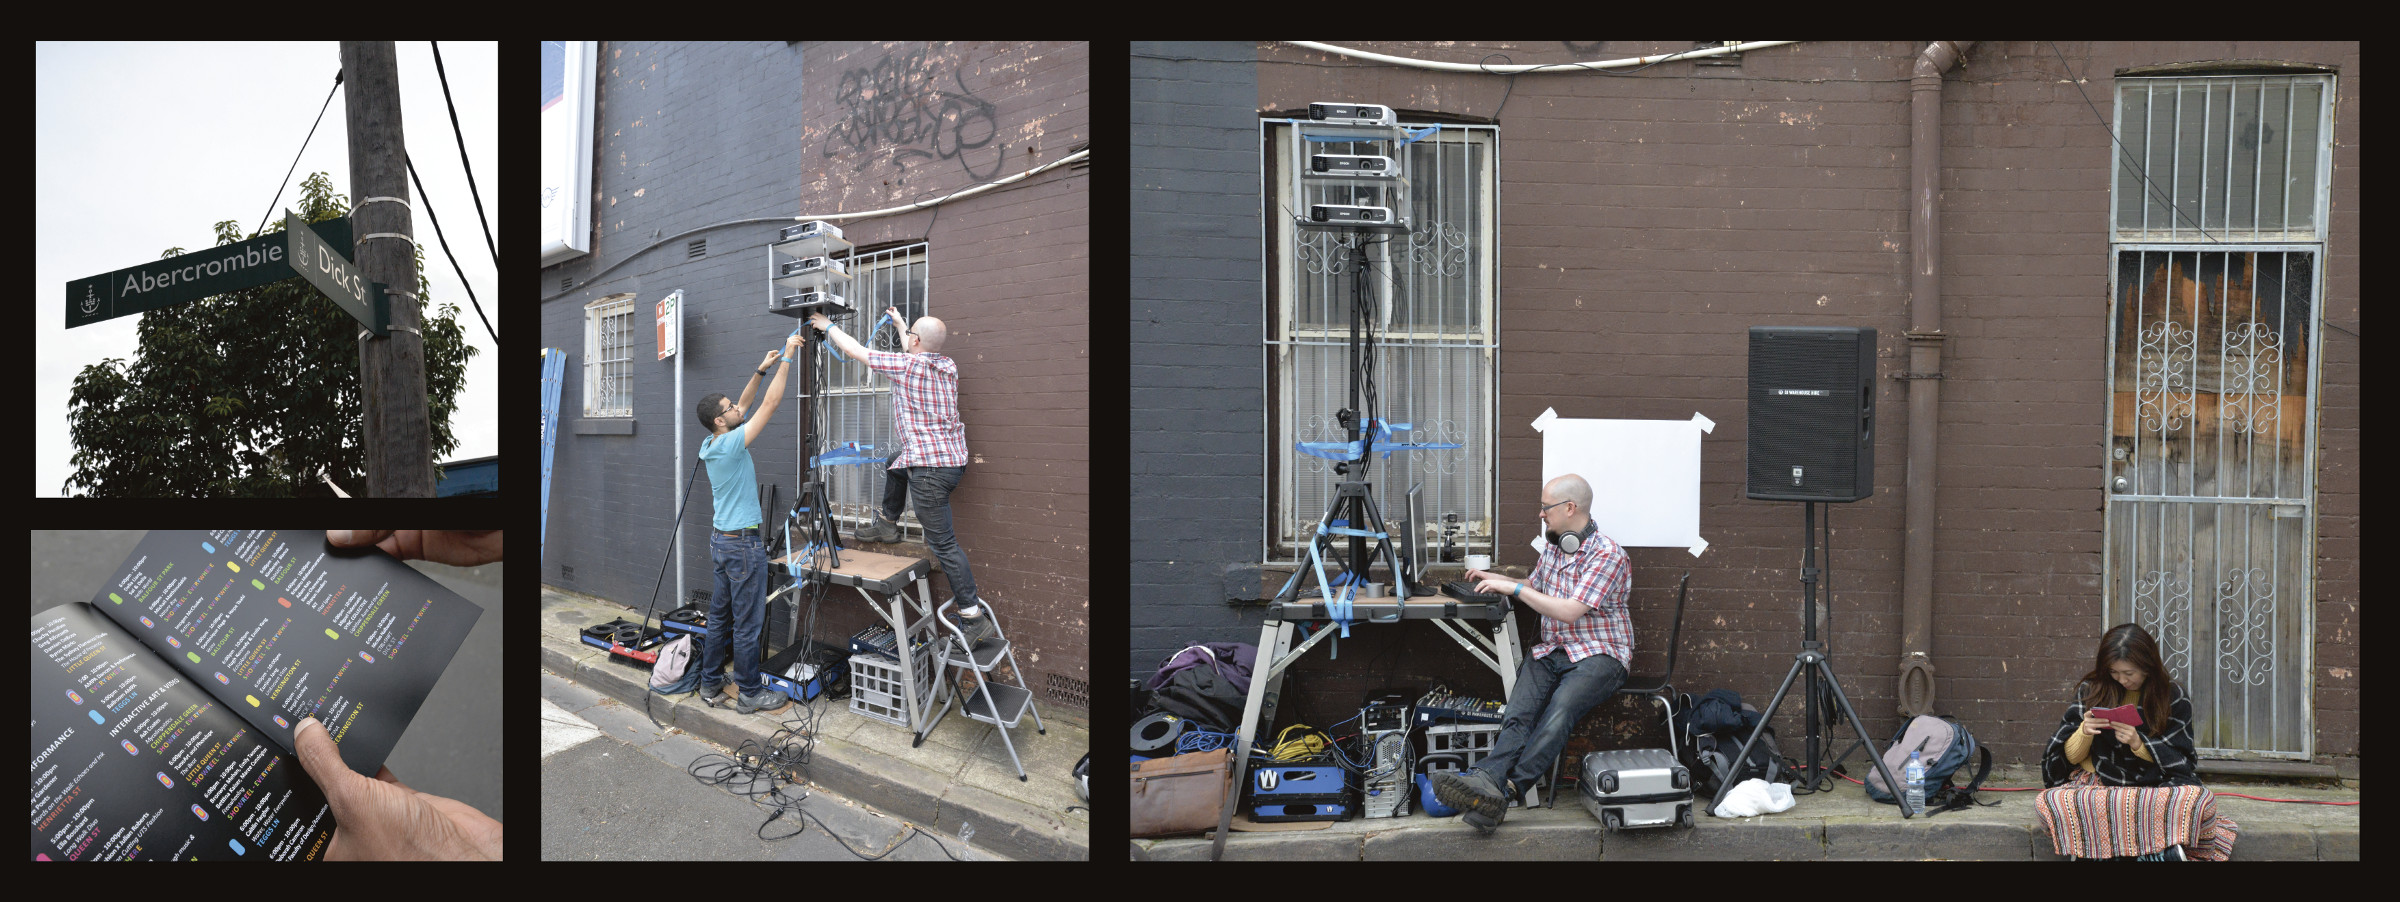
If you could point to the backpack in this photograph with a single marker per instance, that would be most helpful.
(1946, 746)
(1208, 688)
(667, 677)
(1712, 731)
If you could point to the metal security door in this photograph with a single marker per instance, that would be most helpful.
(2212, 462)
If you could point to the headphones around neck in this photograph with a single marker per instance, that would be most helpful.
(1573, 540)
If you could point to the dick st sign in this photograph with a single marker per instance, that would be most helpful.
(307, 250)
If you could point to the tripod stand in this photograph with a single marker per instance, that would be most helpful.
(810, 506)
(1811, 662)
(1352, 514)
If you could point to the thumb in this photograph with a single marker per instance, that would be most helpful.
(323, 761)
(348, 537)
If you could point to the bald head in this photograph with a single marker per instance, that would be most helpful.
(931, 334)
(1570, 487)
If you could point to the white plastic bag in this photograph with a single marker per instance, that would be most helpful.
(1754, 797)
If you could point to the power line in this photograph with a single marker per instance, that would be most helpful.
(454, 267)
(287, 174)
(462, 164)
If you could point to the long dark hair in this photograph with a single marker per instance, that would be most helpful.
(2133, 645)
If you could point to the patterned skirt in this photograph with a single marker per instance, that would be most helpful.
(2088, 819)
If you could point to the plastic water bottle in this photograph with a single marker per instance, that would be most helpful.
(1916, 782)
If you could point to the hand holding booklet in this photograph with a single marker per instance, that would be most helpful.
(163, 709)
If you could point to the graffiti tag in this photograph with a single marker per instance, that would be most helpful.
(899, 103)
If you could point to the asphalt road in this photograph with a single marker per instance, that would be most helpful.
(614, 788)
(451, 749)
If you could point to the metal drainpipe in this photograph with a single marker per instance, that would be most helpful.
(1924, 371)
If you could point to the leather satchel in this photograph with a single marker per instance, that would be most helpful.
(1182, 794)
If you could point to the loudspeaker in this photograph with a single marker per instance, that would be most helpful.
(1812, 413)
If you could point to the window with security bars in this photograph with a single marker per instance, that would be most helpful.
(607, 357)
(1430, 296)
(2222, 158)
(856, 401)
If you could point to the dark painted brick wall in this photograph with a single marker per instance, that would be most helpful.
(1196, 379)
(1647, 220)
(692, 135)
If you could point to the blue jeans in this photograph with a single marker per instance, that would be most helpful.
(736, 609)
(929, 488)
(1552, 694)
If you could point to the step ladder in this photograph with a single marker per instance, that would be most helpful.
(998, 704)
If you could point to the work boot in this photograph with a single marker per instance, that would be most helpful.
(1480, 798)
(881, 531)
(764, 701)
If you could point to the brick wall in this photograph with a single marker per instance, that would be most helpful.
(693, 135)
(1647, 221)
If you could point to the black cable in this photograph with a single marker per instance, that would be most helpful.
(427, 200)
(675, 535)
(2148, 189)
(287, 174)
(480, 216)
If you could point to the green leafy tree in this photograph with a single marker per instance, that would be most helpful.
(248, 394)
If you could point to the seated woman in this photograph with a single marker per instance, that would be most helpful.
(2120, 791)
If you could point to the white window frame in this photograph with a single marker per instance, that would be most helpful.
(1298, 487)
(608, 378)
(857, 402)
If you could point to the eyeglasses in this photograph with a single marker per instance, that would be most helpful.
(1546, 508)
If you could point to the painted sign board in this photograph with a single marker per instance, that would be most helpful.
(190, 277)
(332, 273)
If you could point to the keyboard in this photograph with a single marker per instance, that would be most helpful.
(1440, 706)
(1465, 591)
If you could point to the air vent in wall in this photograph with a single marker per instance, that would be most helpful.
(697, 249)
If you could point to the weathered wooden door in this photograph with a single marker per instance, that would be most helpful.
(2212, 489)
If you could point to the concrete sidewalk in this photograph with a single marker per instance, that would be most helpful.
(1842, 825)
(961, 774)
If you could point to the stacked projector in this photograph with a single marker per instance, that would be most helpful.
(803, 271)
(1363, 187)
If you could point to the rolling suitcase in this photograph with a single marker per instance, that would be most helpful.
(1637, 788)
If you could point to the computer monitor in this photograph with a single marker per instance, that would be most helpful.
(1412, 540)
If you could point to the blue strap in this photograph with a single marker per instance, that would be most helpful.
(1384, 442)
(846, 453)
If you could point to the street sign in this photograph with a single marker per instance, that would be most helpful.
(190, 277)
(670, 324)
(332, 272)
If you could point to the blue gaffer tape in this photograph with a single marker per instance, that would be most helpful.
(846, 453)
(1383, 440)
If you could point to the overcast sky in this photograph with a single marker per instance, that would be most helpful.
(143, 147)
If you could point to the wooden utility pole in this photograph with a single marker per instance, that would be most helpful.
(398, 437)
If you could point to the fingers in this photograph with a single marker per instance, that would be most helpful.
(345, 538)
(323, 761)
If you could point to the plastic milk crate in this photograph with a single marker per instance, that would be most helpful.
(1471, 741)
(876, 689)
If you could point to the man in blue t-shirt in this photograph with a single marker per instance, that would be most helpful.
(737, 606)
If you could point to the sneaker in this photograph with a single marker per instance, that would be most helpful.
(712, 695)
(764, 701)
(977, 626)
(1475, 794)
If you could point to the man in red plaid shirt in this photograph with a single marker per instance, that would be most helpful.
(1579, 587)
(932, 454)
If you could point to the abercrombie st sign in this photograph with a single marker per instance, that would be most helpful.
(313, 252)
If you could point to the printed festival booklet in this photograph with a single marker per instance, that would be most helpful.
(163, 709)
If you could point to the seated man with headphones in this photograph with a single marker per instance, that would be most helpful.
(1579, 587)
